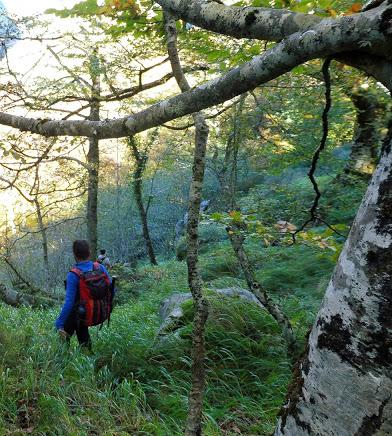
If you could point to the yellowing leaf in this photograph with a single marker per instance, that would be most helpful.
(354, 9)
(236, 215)
(331, 12)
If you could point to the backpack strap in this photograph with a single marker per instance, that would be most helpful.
(76, 271)
(96, 266)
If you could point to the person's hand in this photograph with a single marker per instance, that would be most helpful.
(63, 334)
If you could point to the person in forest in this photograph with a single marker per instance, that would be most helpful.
(103, 259)
(88, 296)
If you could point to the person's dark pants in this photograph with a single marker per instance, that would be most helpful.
(74, 325)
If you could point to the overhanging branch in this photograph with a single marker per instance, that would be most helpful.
(328, 38)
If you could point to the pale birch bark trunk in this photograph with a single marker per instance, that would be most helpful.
(343, 385)
(195, 407)
(35, 191)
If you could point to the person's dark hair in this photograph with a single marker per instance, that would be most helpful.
(102, 251)
(81, 249)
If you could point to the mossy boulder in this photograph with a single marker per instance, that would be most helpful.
(176, 311)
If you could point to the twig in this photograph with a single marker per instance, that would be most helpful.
(319, 149)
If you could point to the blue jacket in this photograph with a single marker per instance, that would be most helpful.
(72, 290)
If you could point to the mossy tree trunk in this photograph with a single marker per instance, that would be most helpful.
(195, 406)
(226, 169)
(44, 239)
(140, 159)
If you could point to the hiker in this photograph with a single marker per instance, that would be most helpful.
(88, 296)
(103, 259)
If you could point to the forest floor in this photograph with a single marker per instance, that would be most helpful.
(135, 384)
(132, 384)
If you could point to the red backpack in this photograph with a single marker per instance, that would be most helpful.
(95, 296)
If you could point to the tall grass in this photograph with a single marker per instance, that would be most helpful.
(133, 384)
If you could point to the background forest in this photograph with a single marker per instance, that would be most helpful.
(130, 197)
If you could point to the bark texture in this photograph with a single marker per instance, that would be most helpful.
(240, 22)
(141, 160)
(195, 407)
(376, 66)
(237, 242)
(343, 386)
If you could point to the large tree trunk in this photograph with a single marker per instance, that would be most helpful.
(195, 406)
(93, 160)
(140, 161)
(367, 137)
(343, 385)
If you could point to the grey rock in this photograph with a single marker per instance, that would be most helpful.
(182, 223)
(171, 312)
(243, 294)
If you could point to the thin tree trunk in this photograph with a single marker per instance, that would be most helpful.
(93, 159)
(237, 242)
(227, 174)
(367, 137)
(195, 406)
(235, 145)
(343, 386)
(44, 240)
(92, 195)
(141, 160)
